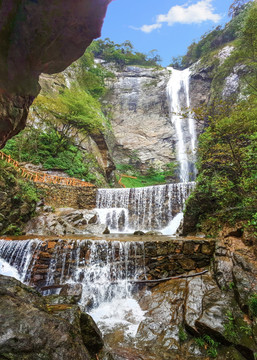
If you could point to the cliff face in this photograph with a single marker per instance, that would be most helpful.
(140, 116)
(38, 37)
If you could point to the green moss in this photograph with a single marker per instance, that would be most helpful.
(253, 305)
(182, 335)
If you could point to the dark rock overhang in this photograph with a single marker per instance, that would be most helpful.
(39, 36)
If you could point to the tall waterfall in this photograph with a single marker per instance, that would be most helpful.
(178, 95)
(147, 208)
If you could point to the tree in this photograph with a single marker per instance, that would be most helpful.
(236, 7)
(71, 112)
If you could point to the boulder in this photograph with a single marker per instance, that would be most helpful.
(30, 330)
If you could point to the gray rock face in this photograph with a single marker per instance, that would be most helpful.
(65, 221)
(29, 330)
(200, 85)
(140, 121)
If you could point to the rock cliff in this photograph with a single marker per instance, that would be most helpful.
(139, 106)
(140, 116)
(38, 37)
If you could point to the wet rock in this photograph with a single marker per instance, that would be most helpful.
(153, 233)
(213, 318)
(106, 231)
(59, 299)
(223, 271)
(139, 233)
(93, 219)
(196, 289)
(29, 331)
(159, 331)
(72, 290)
(91, 335)
(245, 285)
(65, 221)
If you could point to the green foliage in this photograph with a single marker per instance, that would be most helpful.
(18, 201)
(209, 344)
(253, 305)
(92, 76)
(230, 327)
(226, 184)
(212, 40)
(142, 181)
(123, 54)
(50, 150)
(182, 335)
(152, 177)
(72, 110)
(28, 191)
(246, 329)
(12, 230)
(68, 116)
(200, 342)
(231, 285)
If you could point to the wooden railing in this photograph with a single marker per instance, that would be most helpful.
(42, 177)
(127, 176)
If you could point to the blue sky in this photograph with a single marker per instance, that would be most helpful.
(168, 26)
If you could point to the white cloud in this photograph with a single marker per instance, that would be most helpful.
(192, 14)
(150, 28)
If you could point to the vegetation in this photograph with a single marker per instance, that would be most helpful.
(152, 177)
(227, 180)
(215, 38)
(50, 150)
(253, 305)
(209, 344)
(67, 117)
(123, 54)
(182, 335)
(18, 200)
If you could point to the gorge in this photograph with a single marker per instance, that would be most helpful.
(104, 272)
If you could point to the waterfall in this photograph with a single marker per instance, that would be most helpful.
(105, 270)
(179, 99)
(18, 258)
(146, 208)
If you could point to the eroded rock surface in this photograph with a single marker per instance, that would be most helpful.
(65, 221)
(31, 329)
(39, 37)
(140, 116)
(211, 307)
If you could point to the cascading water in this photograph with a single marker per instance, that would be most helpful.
(18, 257)
(147, 208)
(179, 99)
(105, 269)
(157, 207)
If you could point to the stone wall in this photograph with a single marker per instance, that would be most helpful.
(60, 196)
(158, 259)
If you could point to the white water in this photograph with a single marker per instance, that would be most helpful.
(19, 255)
(105, 269)
(8, 270)
(147, 208)
(178, 95)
